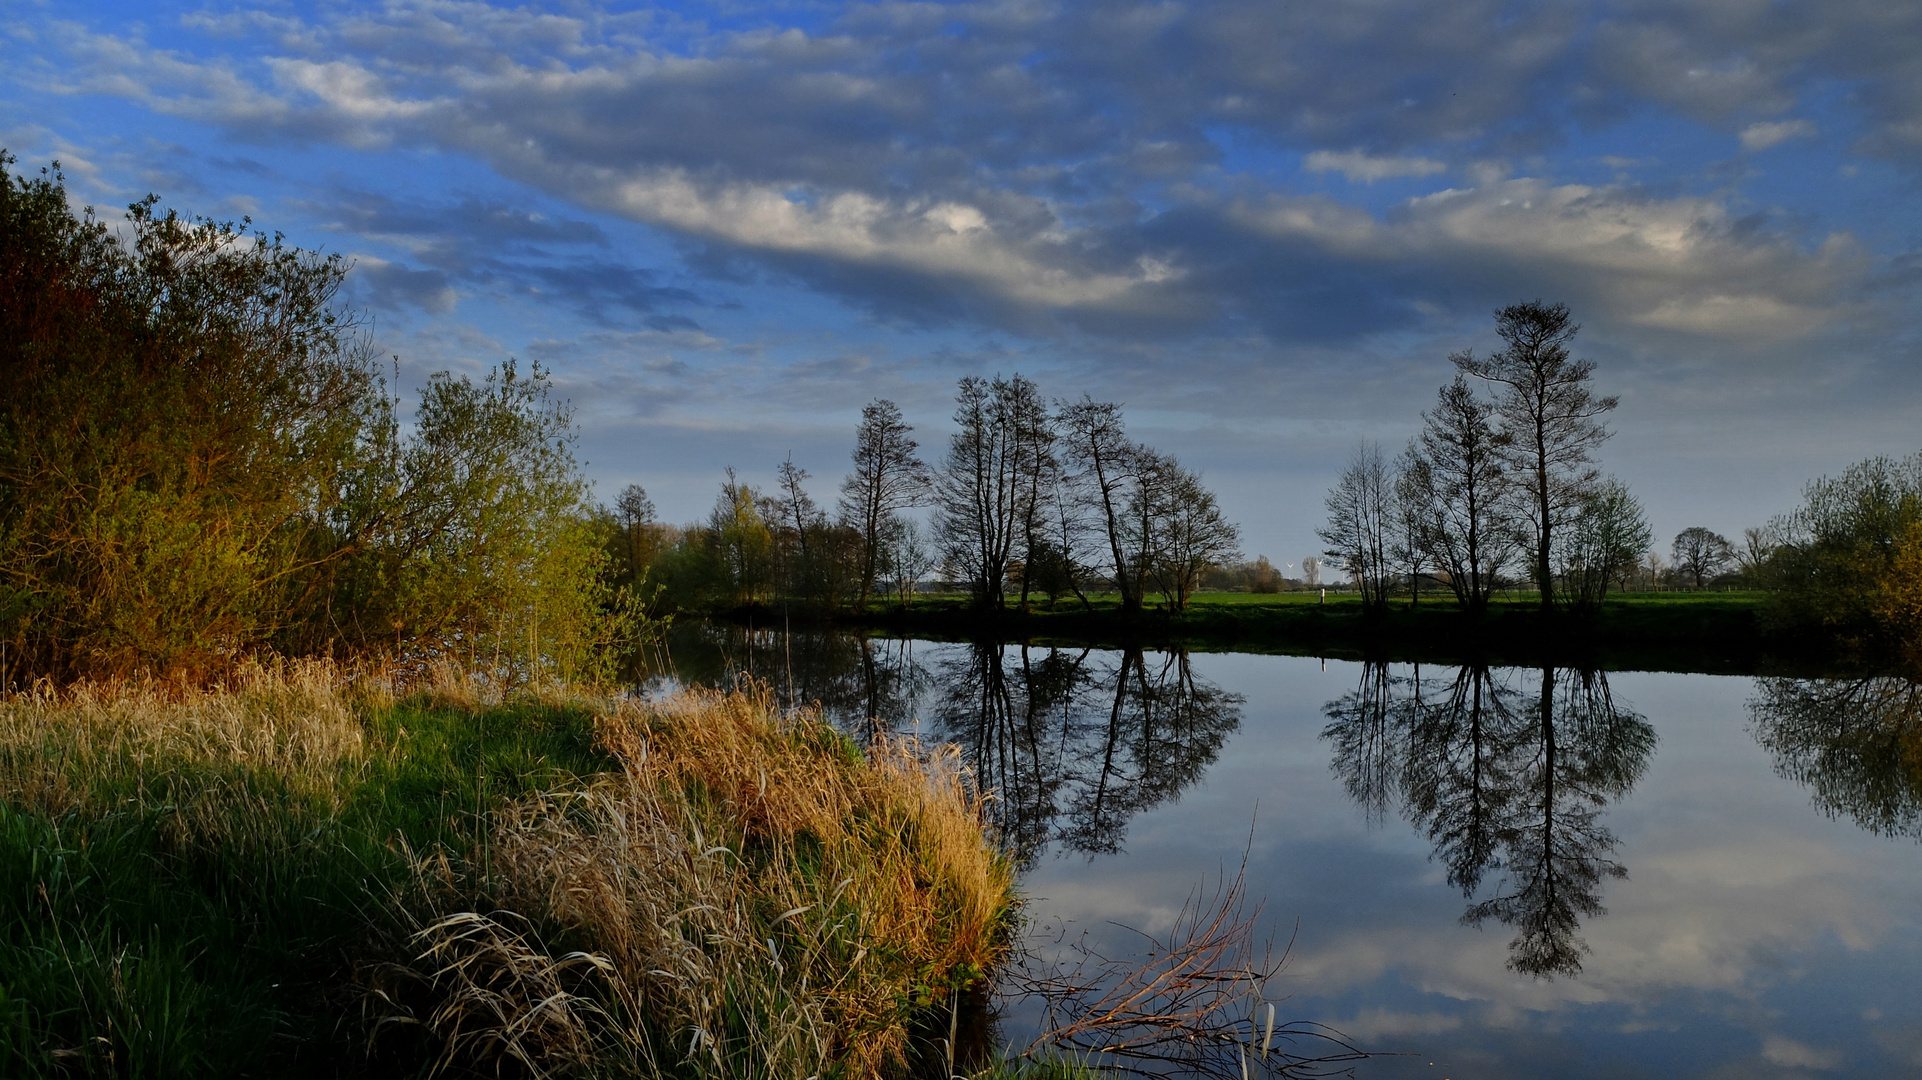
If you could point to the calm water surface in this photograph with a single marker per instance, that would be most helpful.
(1504, 872)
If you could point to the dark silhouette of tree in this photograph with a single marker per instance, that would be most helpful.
(990, 480)
(1102, 463)
(1605, 542)
(1190, 535)
(1856, 744)
(1360, 524)
(1075, 744)
(888, 477)
(1585, 753)
(1700, 554)
(1550, 419)
(1459, 493)
(1500, 784)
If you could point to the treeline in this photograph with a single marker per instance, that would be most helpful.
(1031, 498)
(200, 459)
(1500, 483)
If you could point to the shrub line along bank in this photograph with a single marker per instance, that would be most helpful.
(1713, 633)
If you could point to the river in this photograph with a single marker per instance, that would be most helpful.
(1485, 872)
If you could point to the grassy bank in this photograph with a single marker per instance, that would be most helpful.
(1717, 632)
(303, 876)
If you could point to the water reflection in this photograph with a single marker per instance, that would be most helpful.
(1856, 743)
(1074, 743)
(1505, 772)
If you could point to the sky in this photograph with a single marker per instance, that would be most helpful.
(1261, 225)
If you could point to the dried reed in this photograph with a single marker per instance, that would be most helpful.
(92, 747)
(1193, 1004)
(750, 895)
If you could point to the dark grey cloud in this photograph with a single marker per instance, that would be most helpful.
(486, 244)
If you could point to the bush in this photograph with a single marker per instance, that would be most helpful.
(198, 461)
(1847, 556)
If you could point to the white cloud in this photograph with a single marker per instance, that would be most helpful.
(1772, 133)
(1368, 168)
(1674, 264)
(1791, 1054)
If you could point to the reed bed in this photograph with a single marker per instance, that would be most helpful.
(750, 895)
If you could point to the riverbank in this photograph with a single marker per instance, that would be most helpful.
(308, 875)
(1707, 632)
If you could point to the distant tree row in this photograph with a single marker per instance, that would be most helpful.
(1032, 497)
(1500, 479)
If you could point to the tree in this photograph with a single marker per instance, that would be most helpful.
(888, 477)
(1465, 494)
(1413, 521)
(906, 558)
(1605, 540)
(1837, 552)
(1700, 554)
(1549, 417)
(1360, 515)
(990, 480)
(179, 413)
(1103, 463)
(741, 542)
(1191, 535)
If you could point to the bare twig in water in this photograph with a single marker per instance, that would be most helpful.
(1193, 1005)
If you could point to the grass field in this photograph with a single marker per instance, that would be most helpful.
(1682, 631)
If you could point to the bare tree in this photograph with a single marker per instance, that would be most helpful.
(987, 482)
(1360, 506)
(796, 507)
(888, 477)
(1150, 499)
(906, 558)
(1700, 554)
(1468, 534)
(1549, 416)
(1413, 521)
(1103, 462)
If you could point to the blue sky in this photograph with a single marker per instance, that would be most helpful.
(1261, 225)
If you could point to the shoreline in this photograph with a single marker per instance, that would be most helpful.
(1705, 633)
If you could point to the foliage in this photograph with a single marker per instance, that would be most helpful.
(174, 410)
(1845, 558)
(198, 462)
(1603, 542)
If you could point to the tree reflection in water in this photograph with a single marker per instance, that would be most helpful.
(1075, 742)
(1500, 778)
(1072, 742)
(1856, 743)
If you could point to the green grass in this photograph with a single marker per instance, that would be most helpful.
(1706, 631)
(133, 946)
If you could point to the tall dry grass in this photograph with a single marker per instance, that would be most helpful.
(750, 895)
(203, 752)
